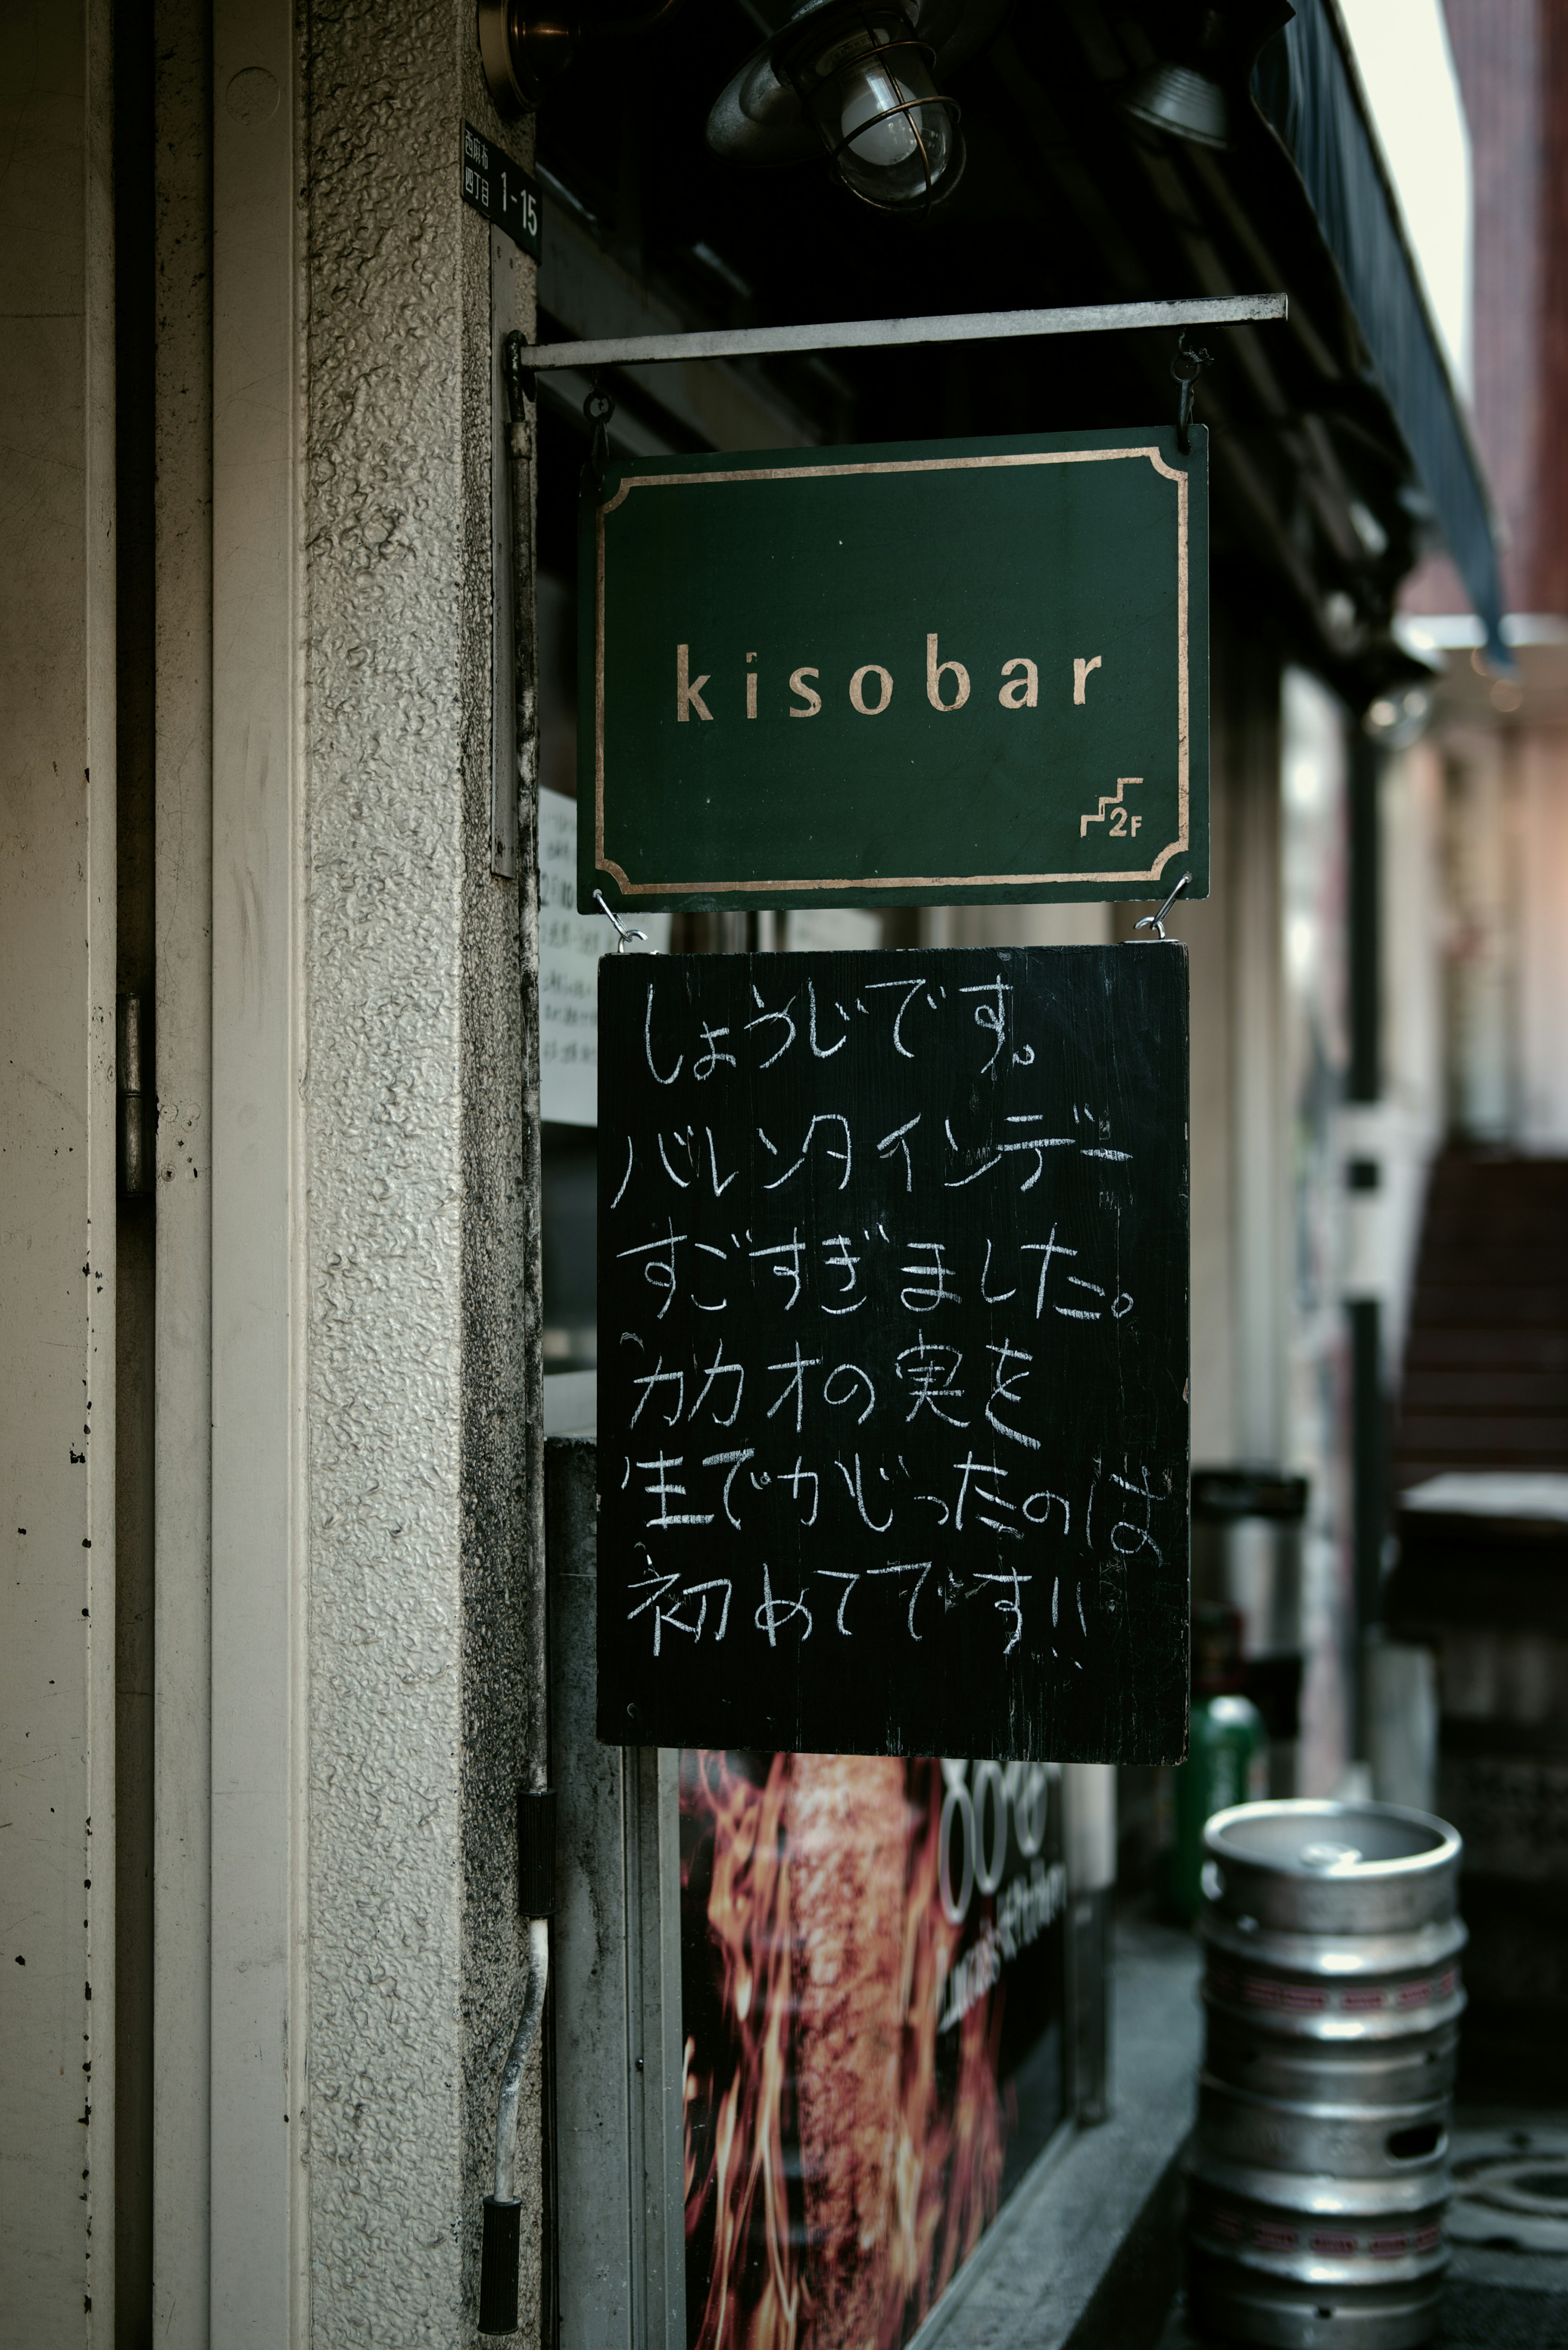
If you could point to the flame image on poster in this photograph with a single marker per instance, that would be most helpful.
(871, 2006)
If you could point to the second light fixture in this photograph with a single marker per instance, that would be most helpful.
(864, 82)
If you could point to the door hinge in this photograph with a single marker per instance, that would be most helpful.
(133, 1139)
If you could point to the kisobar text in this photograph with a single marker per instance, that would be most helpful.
(869, 687)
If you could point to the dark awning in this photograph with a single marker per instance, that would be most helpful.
(1308, 91)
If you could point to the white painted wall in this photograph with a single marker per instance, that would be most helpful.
(1237, 1133)
(1404, 1130)
(1482, 881)
(259, 2017)
(1315, 1052)
(56, 1178)
(183, 1021)
(996, 926)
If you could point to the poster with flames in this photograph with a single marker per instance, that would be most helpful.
(872, 2018)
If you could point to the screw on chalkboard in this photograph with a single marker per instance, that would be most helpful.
(622, 929)
(598, 408)
(1187, 366)
(1155, 922)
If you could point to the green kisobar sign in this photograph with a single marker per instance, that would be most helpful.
(920, 673)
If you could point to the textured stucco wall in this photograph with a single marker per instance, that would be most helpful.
(412, 1105)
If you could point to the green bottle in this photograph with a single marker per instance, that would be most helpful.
(1227, 1750)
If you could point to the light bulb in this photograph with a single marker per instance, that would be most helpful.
(871, 120)
(893, 141)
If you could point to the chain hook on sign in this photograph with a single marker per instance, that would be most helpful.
(623, 933)
(598, 408)
(1187, 366)
(1155, 922)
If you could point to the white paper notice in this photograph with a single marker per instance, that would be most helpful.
(570, 945)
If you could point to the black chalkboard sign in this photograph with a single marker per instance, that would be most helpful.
(893, 1352)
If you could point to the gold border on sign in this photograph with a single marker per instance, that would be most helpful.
(1177, 847)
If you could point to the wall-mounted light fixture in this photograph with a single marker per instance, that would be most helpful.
(1208, 58)
(862, 81)
(524, 49)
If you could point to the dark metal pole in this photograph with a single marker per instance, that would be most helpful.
(522, 445)
(1365, 1082)
(1369, 1459)
(500, 2245)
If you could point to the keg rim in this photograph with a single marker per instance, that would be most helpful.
(1227, 2019)
(1384, 1953)
(1412, 2113)
(1287, 2091)
(1377, 2288)
(1386, 2028)
(1442, 1852)
(1305, 2072)
(1320, 2195)
(1327, 2270)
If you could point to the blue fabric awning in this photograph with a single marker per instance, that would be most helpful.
(1306, 90)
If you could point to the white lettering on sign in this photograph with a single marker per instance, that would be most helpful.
(960, 1439)
(1120, 822)
(946, 686)
(892, 1387)
(499, 188)
(687, 689)
(936, 670)
(857, 690)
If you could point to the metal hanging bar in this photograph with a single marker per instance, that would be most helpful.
(883, 334)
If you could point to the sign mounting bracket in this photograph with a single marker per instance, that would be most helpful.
(884, 334)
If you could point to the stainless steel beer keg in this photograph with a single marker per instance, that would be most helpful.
(1319, 2176)
(1304, 2070)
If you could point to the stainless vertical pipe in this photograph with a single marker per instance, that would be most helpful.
(1089, 1844)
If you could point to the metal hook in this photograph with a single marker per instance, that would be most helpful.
(622, 932)
(1155, 922)
(518, 375)
(598, 408)
(1187, 366)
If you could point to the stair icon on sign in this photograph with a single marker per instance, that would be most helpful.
(1119, 824)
